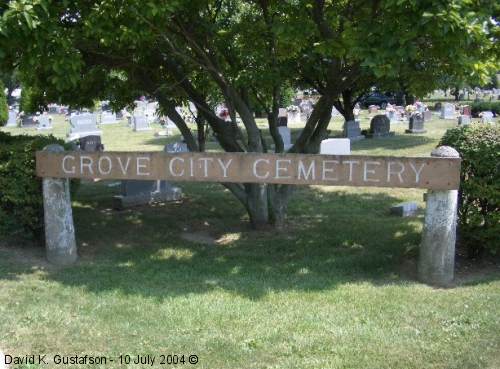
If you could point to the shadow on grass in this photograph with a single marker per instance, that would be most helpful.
(140, 251)
(397, 142)
(332, 238)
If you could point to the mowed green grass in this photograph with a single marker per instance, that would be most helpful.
(335, 289)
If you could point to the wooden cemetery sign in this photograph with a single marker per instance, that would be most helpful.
(439, 173)
(297, 169)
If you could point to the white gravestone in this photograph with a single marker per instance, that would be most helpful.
(463, 120)
(140, 123)
(447, 111)
(486, 117)
(335, 146)
(108, 118)
(286, 136)
(12, 121)
(393, 116)
(44, 122)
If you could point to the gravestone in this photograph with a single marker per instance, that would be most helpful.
(393, 116)
(91, 144)
(466, 110)
(464, 120)
(12, 121)
(282, 118)
(136, 192)
(427, 115)
(140, 123)
(405, 209)
(335, 146)
(293, 115)
(286, 136)
(448, 111)
(108, 118)
(486, 117)
(335, 112)
(44, 122)
(352, 131)
(416, 124)
(83, 125)
(28, 121)
(176, 147)
(380, 126)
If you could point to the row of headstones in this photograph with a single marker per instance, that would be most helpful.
(42, 122)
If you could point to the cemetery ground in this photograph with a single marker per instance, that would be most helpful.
(335, 289)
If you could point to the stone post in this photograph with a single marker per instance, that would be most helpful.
(437, 252)
(60, 240)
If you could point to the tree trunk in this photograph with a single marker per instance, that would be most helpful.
(257, 205)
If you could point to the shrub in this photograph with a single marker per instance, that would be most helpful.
(4, 108)
(478, 107)
(479, 195)
(21, 205)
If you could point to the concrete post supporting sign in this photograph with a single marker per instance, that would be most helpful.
(60, 240)
(437, 252)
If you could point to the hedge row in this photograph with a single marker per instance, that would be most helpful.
(479, 194)
(4, 108)
(21, 205)
(478, 107)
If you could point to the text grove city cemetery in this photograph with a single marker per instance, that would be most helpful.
(297, 169)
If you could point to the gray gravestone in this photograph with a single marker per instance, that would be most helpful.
(135, 192)
(108, 118)
(427, 115)
(380, 126)
(44, 122)
(140, 123)
(83, 125)
(405, 209)
(12, 121)
(464, 120)
(286, 136)
(416, 124)
(448, 111)
(28, 121)
(352, 130)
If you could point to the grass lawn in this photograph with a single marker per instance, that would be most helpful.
(335, 289)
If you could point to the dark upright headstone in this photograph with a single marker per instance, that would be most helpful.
(380, 126)
(136, 192)
(91, 144)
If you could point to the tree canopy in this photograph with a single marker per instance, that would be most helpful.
(246, 53)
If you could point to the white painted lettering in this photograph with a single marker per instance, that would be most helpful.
(65, 170)
(256, 162)
(280, 168)
(141, 164)
(100, 166)
(398, 173)
(367, 171)
(88, 164)
(205, 162)
(351, 165)
(327, 169)
(171, 167)
(417, 172)
(224, 167)
(124, 168)
(311, 171)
